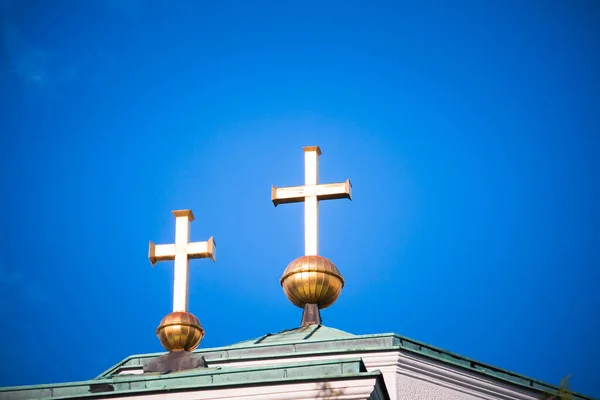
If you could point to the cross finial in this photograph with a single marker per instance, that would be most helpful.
(182, 251)
(311, 193)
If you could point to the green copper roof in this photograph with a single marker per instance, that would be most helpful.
(305, 342)
(311, 333)
(318, 340)
(197, 379)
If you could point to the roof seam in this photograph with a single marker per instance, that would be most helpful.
(312, 332)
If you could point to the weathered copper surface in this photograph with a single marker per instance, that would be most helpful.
(312, 279)
(175, 361)
(311, 315)
(179, 331)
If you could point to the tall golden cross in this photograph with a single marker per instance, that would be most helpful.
(182, 251)
(311, 193)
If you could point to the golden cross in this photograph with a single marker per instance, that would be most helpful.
(181, 252)
(311, 193)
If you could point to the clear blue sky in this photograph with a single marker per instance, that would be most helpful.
(469, 129)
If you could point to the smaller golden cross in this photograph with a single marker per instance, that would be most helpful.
(181, 252)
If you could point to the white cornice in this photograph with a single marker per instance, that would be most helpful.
(457, 379)
(348, 389)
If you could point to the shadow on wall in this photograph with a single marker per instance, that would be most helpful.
(327, 392)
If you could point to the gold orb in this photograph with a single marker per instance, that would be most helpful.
(312, 279)
(180, 330)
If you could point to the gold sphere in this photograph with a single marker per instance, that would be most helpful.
(312, 279)
(180, 330)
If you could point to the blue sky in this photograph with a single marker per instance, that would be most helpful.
(469, 129)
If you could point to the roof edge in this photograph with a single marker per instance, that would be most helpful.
(398, 342)
(356, 364)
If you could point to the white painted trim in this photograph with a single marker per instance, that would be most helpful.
(348, 389)
(459, 380)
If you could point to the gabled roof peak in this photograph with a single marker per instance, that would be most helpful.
(309, 333)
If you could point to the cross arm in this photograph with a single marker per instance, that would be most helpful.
(293, 194)
(206, 249)
(160, 252)
(297, 194)
(330, 191)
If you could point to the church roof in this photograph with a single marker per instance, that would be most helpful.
(198, 379)
(310, 333)
(320, 340)
(126, 378)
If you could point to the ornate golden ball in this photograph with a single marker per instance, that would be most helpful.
(180, 330)
(312, 279)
